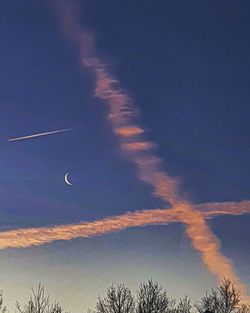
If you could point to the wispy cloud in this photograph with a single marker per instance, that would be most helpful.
(42, 134)
(122, 115)
(27, 237)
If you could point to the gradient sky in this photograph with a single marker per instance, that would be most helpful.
(186, 64)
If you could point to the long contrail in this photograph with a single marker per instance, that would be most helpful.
(28, 237)
(122, 114)
(42, 134)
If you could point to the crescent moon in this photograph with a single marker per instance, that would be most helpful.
(67, 180)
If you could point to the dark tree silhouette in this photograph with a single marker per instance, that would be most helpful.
(2, 306)
(118, 300)
(224, 299)
(244, 308)
(39, 302)
(184, 306)
(151, 298)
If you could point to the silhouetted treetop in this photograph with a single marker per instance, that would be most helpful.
(39, 302)
(152, 298)
(149, 298)
(3, 308)
(224, 299)
(118, 300)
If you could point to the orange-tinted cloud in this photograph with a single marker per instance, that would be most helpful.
(36, 236)
(137, 146)
(27, 237)
(128, 131)
(206, 242)
(224, 208)
(122, 113)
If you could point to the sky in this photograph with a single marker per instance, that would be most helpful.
(186, 67)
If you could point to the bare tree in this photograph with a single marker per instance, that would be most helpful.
(244, 308)
(118, 300)
(224, 299)
(210, 303)
(184, 306)
(39, 302)
(3, 308)
(151, 298)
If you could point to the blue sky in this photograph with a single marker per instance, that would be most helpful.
(186, 65)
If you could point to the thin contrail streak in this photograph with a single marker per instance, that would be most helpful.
(42, 134)
(28, 237)
(122, 114)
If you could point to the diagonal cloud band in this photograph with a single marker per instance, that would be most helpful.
(122, 115)
(28, 237)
